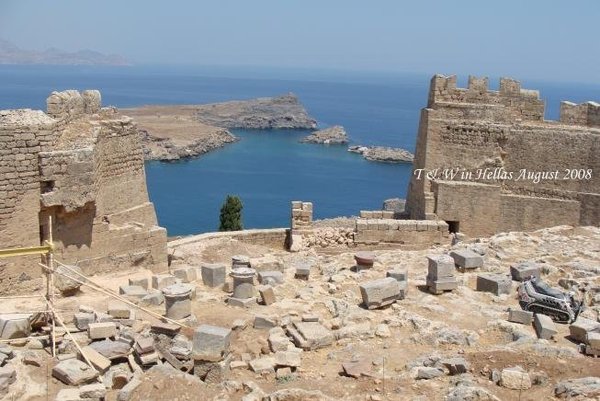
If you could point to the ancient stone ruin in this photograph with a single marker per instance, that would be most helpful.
(472, 139)
(82, 165)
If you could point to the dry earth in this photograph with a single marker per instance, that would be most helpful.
(392, 343)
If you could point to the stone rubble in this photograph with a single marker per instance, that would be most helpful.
(359, 320)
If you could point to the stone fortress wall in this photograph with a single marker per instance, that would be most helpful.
(475, 128)
(82, 165)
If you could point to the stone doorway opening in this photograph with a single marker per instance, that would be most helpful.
(453, 226)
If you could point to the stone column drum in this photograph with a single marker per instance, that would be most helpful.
(243, 286)
(178, 300)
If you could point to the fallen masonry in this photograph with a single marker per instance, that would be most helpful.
(441, 274)
(495, 283)
(380, 293)
(467, 259)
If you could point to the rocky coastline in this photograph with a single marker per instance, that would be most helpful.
(335, 135)
(174, 132)
(164, 149)
(383, 154)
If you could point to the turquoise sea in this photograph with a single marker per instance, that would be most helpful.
(267, 169)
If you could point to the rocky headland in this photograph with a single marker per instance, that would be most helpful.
(171, 133)
(335, 135)
(281, 112)
(383, 154)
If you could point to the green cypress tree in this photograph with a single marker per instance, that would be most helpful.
(231, 214)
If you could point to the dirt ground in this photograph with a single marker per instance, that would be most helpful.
(418, 326)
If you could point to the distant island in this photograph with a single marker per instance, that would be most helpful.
(173, 132)
(335, 135)
(11, 54)
(383, 154)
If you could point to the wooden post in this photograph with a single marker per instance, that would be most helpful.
(50, 288)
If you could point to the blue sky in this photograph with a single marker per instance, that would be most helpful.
(544, 39)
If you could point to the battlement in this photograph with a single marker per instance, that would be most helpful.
(522, 103)
(584, 114)
(70, 104)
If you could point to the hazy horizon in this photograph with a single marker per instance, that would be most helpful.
(521, 40)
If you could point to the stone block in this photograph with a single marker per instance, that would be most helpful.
(580, 329)
(15, 325)
(302, 269)
(64, 280)
(428, 372)
(525, 270)
(95, 391)
(441, 285)
(74, 372)
(544, 326)
(241, 302)
(515, 378)
(467, 259)
(210, 343)
(310, 335)
(160, 281)
(310, 318)
(154, 297)
(264, 364)
(270, 277)
(111, 349)
(379, 293)
(441, 266)
(291, 359)
(144, 345)
(265, 322)
(82, 320)
(593, 339)
(150, 358)
(119, 310)
(387, 214)
(398, 274)
(140, 282)
(168, 329)
(296, 243)
(185, 274)
(494, 282)
(282, 373)
(520, 316)
(267, 294)
(133, 291)
(98, 361)
(213, 274)
(98, 331)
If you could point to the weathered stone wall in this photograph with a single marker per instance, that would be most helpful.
(272, 237)
(23, 133)
(83, 166)
(471, 129)
(417, 233)
(302, 215)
